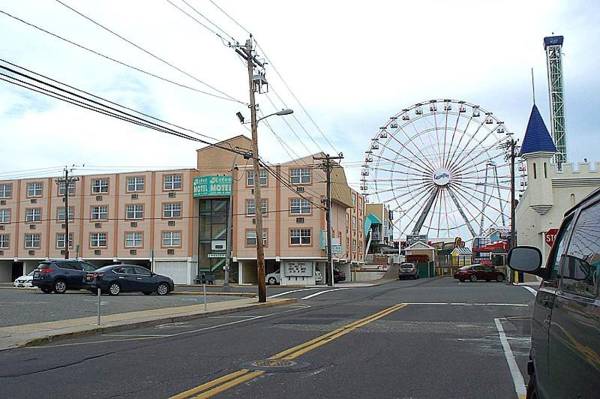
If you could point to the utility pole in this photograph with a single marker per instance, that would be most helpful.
(511, 146)
(260, 251)
(66, 180)
(328, 166)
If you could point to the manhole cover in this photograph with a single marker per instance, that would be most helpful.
(274, 363)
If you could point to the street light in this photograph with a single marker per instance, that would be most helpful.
(260, 252)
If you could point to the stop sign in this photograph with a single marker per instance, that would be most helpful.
(550, 236)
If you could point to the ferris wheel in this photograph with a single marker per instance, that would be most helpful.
(440, 166)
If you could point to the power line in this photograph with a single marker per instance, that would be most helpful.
(201, 23)
(230, 17)
(294, 96)
(99, 54)
(96, 106)
(156, 57)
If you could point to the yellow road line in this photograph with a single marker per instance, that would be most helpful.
(209, 384)
(230, 384)
(348, 328)
(228, 381)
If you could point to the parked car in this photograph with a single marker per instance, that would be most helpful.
(565, 340)
(24, 281)
(338, 275)
(408, 270)
(479, 272)
(61, 275)
(273, 278)
(115, 279)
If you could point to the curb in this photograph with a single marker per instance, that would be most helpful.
(145, 323)
(200, 293)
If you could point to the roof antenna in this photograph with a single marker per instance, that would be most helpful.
(533, 85)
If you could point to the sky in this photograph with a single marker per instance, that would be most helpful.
(352, 65)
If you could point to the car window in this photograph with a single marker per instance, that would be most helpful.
(142, 271)
(120, 270)
(557, 250)
(65, 265)
(87, 267)
(75, 265)
(581, 263)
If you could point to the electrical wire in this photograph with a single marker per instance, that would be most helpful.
(201, 23)
(230, 17)
(156, 57)
(130, 66)
(96, 106)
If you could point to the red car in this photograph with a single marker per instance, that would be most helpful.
(479, 272)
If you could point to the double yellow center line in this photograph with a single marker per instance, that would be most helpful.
(228, 381)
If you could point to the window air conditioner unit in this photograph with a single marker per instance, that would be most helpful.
(133, 224)
(62, 226)
(32, 226)
(97, 252)
(1, 227)
(1, 253)
(299, 220)
(2, 202)
(134, 196)
(170, 252)
(34, 201)
(132, 252)
(171, 223)
(62, 251)
(172, 194)
(31, 252)
(300, 189)
(98, 225)
(98, 198)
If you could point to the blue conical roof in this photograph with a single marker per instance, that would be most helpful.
(537, 138)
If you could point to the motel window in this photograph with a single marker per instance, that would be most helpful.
(4, 241)
(135, 184)
(99, 186)
(172, 210)
(134, 211)
(97, 240)
(300, 206)
(251, 209)
(133, 239)
(171, 238)
(264, 177)
(99, 212)
(6, 190)
(32, 241)
(35, 189)
(33, 215)
(172, 182)
(60, 240)
(300, 236)
(61, 188)
(251, 238)
(4, 215)
(300, 176)
(60, 214)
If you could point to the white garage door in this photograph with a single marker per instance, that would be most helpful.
(178, 271)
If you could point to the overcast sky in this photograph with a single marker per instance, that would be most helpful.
(352, 64)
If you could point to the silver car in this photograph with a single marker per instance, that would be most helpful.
(408, 270)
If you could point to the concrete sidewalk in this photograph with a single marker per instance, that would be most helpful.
(38, 333)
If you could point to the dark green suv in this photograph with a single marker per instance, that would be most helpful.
(565, 330)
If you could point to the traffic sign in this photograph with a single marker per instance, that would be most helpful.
(550, 236)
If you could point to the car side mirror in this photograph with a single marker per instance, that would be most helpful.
(525, 259)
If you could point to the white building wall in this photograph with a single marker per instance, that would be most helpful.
(566, 188)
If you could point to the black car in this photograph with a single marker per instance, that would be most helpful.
(61, 275)
(338, 275)
(115, 279)
(565, 329)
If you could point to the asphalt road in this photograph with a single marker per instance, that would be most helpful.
(406, 339)
(24, 306)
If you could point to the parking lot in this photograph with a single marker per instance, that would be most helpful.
(25, 306)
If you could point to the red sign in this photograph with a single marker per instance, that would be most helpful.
(550, 236)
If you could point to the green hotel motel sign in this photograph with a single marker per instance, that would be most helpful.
(212, 186)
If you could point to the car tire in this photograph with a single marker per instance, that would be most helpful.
(500, 278)
(147, 292)
(473, 278)
(60, 286)
(114, 289)
(162, 289)
(46, 290)
(462, 280)
(532, 388)
(272, 281)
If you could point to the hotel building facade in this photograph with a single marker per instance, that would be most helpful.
(185, 222)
